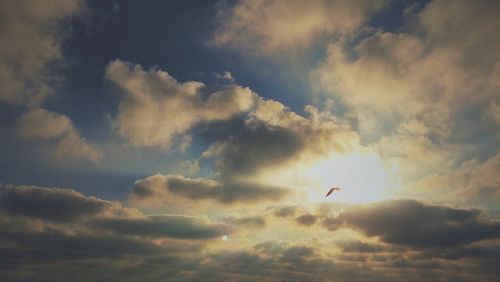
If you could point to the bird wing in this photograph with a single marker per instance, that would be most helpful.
(329, 192)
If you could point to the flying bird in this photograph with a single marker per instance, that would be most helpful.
(331, 191)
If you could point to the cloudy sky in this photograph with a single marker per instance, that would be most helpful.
(196, 140)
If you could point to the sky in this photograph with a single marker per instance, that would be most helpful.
(196, 140)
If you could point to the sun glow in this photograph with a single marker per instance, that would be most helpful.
(360, 175)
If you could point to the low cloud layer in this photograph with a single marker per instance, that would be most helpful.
(65, 230)
(159, 189)
(60, 205)
(173, 226)
(416, 224)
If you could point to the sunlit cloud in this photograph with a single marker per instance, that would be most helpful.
(151, 97)
(40, 124)
(32, 32)
(274, 26)
(215, 129)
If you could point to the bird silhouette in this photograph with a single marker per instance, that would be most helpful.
(331, 191)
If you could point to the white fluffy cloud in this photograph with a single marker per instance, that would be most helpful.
(30, 37)
(407, 76)
(407, 90)
(270, 26)
(155, 107)
(31, 32)
(40, 124)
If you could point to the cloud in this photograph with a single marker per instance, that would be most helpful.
(40, 124)
(173, 226)
(356, 246)
(493, 112)
(278, 261)
(416, 224)
(159, 189)
(69, 206)
(441, 66)
(27, 77)
(395, 68)
(440, 69)
(82, 232)
(466, 26)
(306, 219)
(285, 211)
(271, 247)
(254, 148)
(471, 183)
(273, 136)
(155, 107)
(53, 224)
(33, 35)
(55, 204)
(246, 222)
(48, 229)
(272, 26)
(298, 251)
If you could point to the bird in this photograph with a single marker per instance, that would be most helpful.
(331, 191)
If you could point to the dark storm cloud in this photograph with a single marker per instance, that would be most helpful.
(417, 224)
(255, 147)
(54, 204)
(174, 226)
(306, 219)
(59, 245)
(159, 188)
(272, 135)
